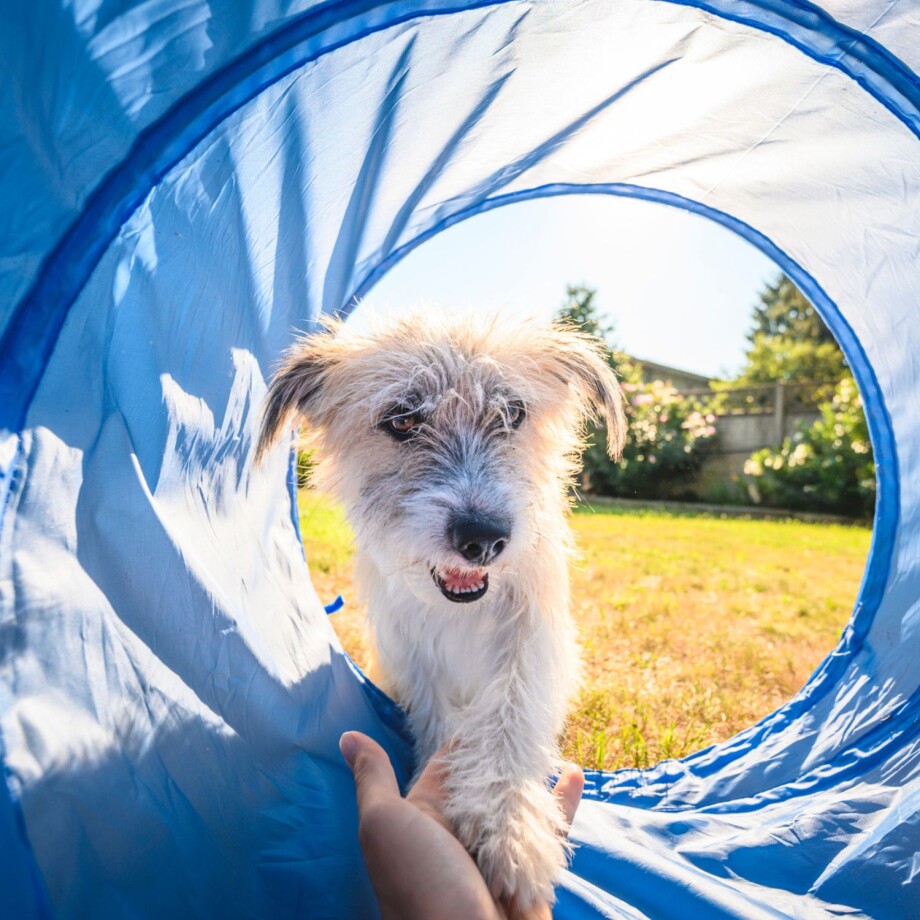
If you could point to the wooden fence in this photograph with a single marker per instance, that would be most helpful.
(749, 419)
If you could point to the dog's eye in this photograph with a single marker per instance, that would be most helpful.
(403, 426)
(516, 414)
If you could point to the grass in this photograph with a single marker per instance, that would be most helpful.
(692, 627)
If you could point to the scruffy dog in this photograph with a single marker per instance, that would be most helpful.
(452, 443)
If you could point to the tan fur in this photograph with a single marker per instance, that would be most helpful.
(493, 677)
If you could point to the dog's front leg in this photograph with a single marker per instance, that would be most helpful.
(502, 753)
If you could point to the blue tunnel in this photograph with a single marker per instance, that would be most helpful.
(184, 184)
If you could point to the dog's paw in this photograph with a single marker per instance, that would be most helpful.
(518, 839)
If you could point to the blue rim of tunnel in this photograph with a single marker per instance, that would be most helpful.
(37, 320)
(887, 508)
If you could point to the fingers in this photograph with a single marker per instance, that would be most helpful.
(568, 790)
(375, 780)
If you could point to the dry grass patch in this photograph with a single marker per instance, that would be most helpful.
(692, 627)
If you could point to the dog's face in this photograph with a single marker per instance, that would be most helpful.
(451, 441)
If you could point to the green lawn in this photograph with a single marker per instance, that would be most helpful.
(692, 627)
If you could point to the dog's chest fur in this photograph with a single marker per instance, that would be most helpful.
(432, 663)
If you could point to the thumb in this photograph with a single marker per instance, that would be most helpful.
(375, 781)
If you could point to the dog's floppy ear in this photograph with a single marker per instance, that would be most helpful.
(296, 386)
(585, 368)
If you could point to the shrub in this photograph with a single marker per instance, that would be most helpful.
(666, 442)
(827, 466)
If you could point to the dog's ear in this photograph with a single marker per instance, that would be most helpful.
(585, 368)
(296, 387)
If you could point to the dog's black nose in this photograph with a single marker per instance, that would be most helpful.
(479, 539)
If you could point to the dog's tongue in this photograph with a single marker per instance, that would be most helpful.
(455, 579)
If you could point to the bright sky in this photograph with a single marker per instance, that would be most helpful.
(678, 287)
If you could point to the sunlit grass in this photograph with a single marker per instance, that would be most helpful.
(692, 627)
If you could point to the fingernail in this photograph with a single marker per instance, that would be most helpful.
(348, 745)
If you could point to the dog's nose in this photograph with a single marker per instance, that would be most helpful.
(479, 539)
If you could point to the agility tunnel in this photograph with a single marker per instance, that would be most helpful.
(184, 183)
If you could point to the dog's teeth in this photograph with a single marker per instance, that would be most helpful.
(459, 590)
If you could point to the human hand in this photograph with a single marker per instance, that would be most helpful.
(417, 866)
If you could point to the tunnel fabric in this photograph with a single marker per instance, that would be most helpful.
(188, 182)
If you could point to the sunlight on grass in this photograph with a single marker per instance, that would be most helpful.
(692, 627)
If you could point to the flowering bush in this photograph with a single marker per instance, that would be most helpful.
(665, 444)
(827, 466)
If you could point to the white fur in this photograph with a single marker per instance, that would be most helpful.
(490, 679)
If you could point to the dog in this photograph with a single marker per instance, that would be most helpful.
(453, 443)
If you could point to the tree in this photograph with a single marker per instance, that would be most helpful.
(789, 340)
(826, 465)
(780, 359)
(667, 433)
(580, 310)
(784, 311)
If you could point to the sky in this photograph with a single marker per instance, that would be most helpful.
(678, 287)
